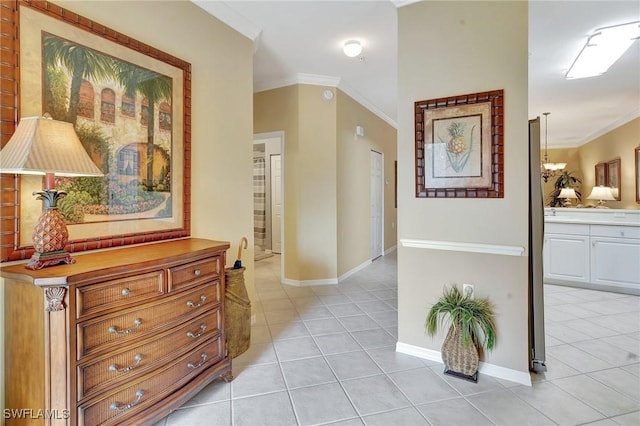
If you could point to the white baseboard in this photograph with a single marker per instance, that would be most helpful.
(523, 378)
(305, 283)
(390, 249)
(354, 270)
(329, 281)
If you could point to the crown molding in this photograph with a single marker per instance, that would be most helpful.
(229, 16)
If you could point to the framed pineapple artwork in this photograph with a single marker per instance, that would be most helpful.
(459, 146)
(130, 104)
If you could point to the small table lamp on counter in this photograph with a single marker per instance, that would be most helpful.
(602, 194)
(42, 146)
(567, 194)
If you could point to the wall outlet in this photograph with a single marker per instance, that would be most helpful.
(468, 289)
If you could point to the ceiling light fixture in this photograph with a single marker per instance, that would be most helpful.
(603, 48)
(549, 169)
(352, 48)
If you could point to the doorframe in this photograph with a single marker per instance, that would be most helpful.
(382, 205)
(279, 134)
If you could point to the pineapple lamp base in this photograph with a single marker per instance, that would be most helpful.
(42, 260)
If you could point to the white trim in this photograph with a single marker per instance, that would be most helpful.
(305, 283)
(368, 105)
(230, 17)
(521, 377)
(324, 80)
(390, 249)
(619, 122)
(300, 78)
(465, 247)
(354, 270)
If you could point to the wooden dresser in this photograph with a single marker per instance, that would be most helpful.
(122, 336)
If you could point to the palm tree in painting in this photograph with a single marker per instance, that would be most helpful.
(81, 62)
(153, 86)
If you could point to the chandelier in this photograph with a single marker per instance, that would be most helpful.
(547, 168)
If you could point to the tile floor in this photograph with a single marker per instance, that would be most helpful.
(326, 355)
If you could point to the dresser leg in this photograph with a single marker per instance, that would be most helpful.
(227, 377)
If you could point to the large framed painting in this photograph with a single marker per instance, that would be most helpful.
(130, 105)
(459, 144)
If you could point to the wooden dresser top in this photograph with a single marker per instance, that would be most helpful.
(118, 258)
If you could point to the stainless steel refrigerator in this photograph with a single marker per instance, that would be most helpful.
(536, 238)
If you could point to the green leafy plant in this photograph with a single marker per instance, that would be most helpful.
(565, 180)
(473, 316)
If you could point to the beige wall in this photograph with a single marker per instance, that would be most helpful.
(354, 167)
(326, 178)
(221, 123)
(618, 143)
(570, 156)
(309, 176)
(446, 49)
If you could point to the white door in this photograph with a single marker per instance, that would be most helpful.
(276, 203)
(376, 204)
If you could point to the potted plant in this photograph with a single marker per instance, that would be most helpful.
(471, 328)
(565, 180)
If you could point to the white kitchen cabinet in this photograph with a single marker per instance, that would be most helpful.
(598, 249)
(566, 252)
(615, 256)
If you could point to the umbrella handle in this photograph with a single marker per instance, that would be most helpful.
(246, 242)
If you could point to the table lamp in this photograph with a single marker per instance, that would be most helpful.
(567, 194)
(42, 146)
(602, 194)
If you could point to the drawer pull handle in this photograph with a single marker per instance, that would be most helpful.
(197, 272)
(193, 305)
(203, 358)
(197, 333)
(136, 324)
(125, 291)
(115, 406)
(136, 361)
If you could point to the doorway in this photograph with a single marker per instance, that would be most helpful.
(267, 194)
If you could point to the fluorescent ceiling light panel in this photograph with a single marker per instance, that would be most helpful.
(603, 48)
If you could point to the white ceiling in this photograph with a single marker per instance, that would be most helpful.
(301, 42)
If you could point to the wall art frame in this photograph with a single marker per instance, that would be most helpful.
(24, 23)
(614, 178)
(637, 167)
(601, 174)
(459, 146)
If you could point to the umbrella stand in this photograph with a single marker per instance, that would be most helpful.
(237, 309)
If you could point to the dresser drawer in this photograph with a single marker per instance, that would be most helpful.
(137, 323)
(566, 228)
(109, 370)
(115, 408)
(135, 289)
(194, 273)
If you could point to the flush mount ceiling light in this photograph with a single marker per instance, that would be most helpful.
(603, 48)
(352, 48)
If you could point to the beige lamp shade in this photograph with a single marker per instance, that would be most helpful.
(601, 193)
(41, 145)
(567, 193)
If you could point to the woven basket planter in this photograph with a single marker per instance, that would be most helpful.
(459, 359)
(237, 312)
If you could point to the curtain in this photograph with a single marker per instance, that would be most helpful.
(259, 219)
